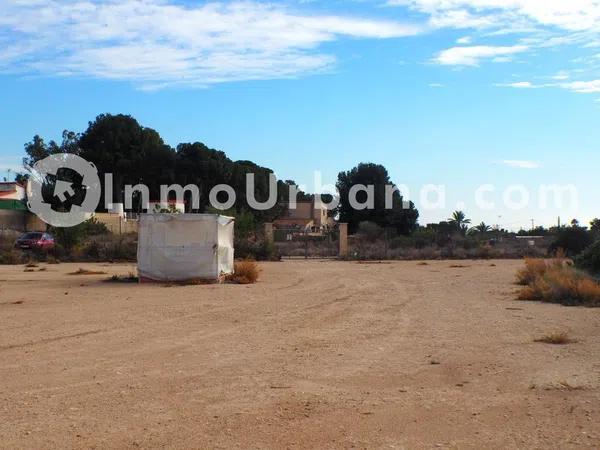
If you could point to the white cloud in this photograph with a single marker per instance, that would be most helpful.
(521, 164)
(471, 56)
(466, 40)
(436, 85)
(161, 43)
(560, 76)
(520, 85)
(573, 15)
(584, 87)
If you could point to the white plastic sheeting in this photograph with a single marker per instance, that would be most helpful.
(180, 247)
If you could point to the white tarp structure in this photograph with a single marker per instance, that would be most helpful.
(181, 247)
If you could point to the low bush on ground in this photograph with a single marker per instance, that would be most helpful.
(129, 278)
(572, 241)
(109, 247)
(258, 250)
(556, 338)
(8, 254)
(535, 268)
(556, 281)
(245, 272)
(70, 237)
(589, 260)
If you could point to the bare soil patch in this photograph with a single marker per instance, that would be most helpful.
(315, 355)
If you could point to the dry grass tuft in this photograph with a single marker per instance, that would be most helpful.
(245, 272)
(423, 263)
(533, 269)
(31, 265)
(81, 271)
(556, 281)
(556, 338)
(458, 266)
(130, 278)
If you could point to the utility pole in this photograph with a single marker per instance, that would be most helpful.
(532, 224)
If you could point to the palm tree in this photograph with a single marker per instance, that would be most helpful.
(459, 220)
(482, 228)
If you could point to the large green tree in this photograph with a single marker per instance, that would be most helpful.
(133, 154)
(118, 144)
(402, 216)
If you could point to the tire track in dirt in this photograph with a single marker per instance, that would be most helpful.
(48, 340)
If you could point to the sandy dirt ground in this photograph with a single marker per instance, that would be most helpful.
(318, 354)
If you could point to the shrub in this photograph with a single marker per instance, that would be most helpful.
(533, 269)
(130, 278)
(8, 254)
(245, 272)
(590, 259)
(121, 248)
(259, 250)
(556, 338)
(573, 240)
(560, 283)
(369, 230)
(69, 237)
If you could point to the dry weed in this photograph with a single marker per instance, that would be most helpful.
(556, 281)
(245, 272)
(82, 271)
(556, 338)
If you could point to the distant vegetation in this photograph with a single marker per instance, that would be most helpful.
(556, 281)
(134, 154)
(401, 218)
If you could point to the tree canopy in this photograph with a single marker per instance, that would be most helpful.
(401, 217)
(133, 154)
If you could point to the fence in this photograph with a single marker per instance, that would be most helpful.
(297, 243)
(117, 224)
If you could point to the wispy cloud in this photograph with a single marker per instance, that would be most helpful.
(524, 27)
(572, 15)
(582, 87)
(157, 43)
(520, 164)
(472, 56)
(519, 85)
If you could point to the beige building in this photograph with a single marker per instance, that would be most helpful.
(308, 216)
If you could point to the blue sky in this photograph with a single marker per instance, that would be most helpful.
(457, 93)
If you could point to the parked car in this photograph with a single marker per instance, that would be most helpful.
(35, 241)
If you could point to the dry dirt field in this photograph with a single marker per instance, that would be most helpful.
(318, 354)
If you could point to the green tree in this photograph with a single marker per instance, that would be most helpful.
(402, 216)
(118, 144)
(37, 150)
(573, 240)
(459, 221)
(481, 228)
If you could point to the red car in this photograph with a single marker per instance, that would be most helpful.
(35, 241)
